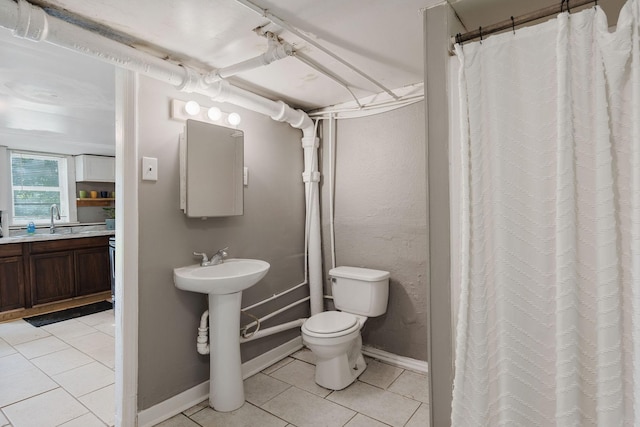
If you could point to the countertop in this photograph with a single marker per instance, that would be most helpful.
(61, 233)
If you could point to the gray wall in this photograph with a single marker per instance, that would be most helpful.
(271, 229)
(380, 218)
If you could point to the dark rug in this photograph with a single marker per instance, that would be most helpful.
(70, 313)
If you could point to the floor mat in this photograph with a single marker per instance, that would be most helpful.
(70, 313)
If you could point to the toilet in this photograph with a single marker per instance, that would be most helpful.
(334, 336)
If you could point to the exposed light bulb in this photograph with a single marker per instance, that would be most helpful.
(214, 113)
(192, 108)
(234, 119)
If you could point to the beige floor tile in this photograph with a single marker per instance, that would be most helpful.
(85, 379)
(380, 374)
(304, 409)
(86, 420)
(48, 409)
(108, 328)
(378, 404)
(97, 318)
(301, 375)
(412, 385)
(102, 402)
(196, 408)
(179, 420)
(363, 421)
(93, 341)
(105, 355)
(19, 379)
(305, 355)
(260, 388)
(6, 349)
(19, 331)
(41, 347)
(61, 361)
(277, 365)
(246, 415)
(68, 329)
(420, 418)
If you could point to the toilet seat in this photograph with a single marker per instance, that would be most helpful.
(330, 324)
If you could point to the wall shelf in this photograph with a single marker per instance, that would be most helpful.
(94, 202)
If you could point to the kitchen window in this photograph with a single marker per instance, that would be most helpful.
(39, 180)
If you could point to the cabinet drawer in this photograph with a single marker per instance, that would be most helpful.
(12, 249)
(69, 244)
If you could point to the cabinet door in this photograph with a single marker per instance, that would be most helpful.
(95, 168)
(52, 277)
(92, 270)
(12, 294)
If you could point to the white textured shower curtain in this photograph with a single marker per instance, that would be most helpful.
(548, 330)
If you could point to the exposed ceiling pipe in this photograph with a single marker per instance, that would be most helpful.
(33, 23)
(284, 24)
(276, 50)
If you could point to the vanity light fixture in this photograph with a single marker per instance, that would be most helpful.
(214, 113)
(192, 108)
(184, 110)
(234, 119)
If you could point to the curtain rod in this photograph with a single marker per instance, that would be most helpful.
(522, 19)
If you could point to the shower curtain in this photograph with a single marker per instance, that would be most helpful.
(548, 327)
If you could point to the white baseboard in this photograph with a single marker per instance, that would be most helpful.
(257, 364)
(394, 359)
(185, 400)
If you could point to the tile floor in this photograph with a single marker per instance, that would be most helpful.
(63, 375)
(286, 395)
(58, 375)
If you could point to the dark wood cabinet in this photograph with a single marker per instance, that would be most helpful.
(92, 270)
(12, 283)
(44, 272)
(52, 277)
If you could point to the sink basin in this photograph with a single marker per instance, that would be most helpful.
(233, 275)
(223, 284)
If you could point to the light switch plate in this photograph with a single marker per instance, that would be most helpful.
(149, 169)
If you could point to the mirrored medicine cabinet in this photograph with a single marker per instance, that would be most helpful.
(211, 170)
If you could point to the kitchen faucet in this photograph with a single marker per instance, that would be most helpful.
(52, 228)
(217, 258)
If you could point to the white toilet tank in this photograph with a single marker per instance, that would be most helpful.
(360, 291)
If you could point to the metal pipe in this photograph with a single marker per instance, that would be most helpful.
(275, 313)
(284, 24)
(274, 330)
(274, 296)
(512, 22)
(276, 50)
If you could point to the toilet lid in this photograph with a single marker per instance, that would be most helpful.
(330, 322)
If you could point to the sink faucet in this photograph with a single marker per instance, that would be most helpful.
(52, 228)
(217, 258)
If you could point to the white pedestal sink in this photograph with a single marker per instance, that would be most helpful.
(224, 284)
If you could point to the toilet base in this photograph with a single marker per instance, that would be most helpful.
(340, 371)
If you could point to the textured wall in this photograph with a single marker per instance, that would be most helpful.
(271, 229)
(380, 218)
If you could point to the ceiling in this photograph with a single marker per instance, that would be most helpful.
(60, 97)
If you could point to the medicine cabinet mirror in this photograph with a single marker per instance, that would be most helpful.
(211, 170)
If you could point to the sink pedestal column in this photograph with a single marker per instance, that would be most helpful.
(226, 389)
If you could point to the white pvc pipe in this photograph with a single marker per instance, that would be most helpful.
(202, 342)
(276, 51)
(275, 313)
(274, 296)
(274, 330)
(33, 23)
(332, 234)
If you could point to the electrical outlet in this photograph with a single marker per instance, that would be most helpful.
(149, 169)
